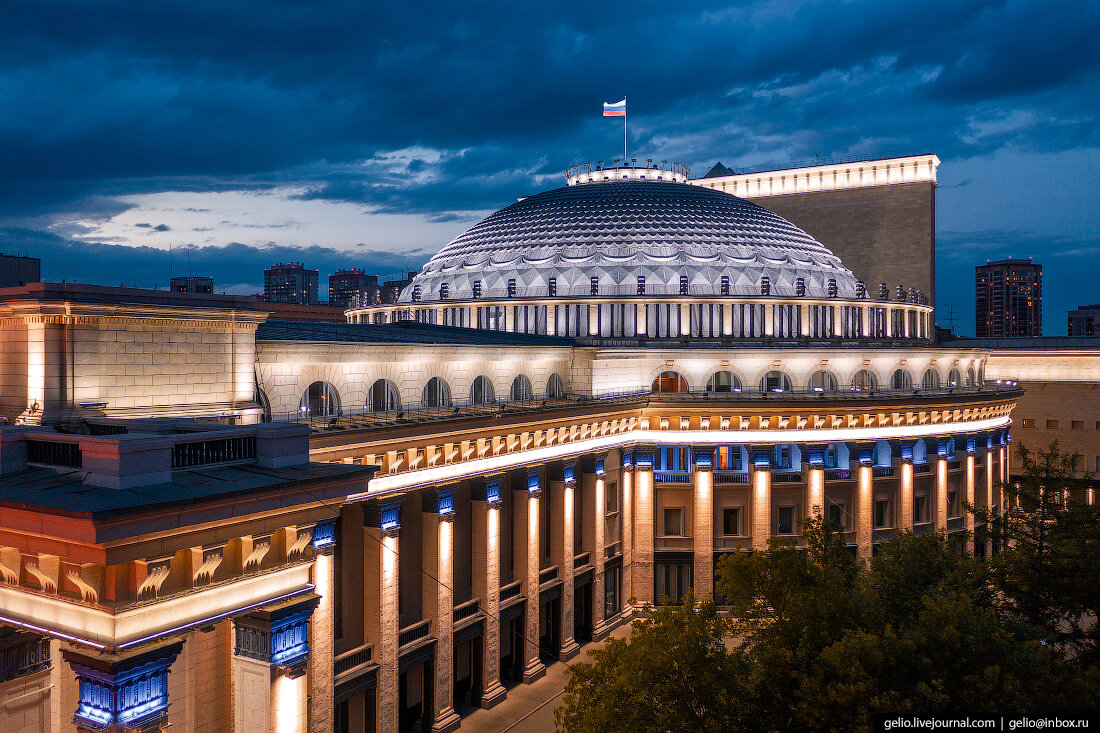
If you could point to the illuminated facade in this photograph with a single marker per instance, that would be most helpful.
(481, 501)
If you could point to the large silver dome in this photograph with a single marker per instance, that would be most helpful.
(618, 231)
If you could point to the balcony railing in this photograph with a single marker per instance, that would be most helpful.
(840, 474)
(730, 478)
(218, 450)
(579, 561)
(466, 610)
(921, 468)
(548, 576)
(510, 591)
(349, 660)
(416, 632)
(787, 478)
(667, 477)
(882, 471)
(613, 550)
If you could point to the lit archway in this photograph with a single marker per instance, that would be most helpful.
(669, 382)
(383, 397)
(320, 400)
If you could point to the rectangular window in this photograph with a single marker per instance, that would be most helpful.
(1052, 424)
(674, 522)
(782, 456)
(611, 603)
(1029, 422)
(731, 521)
(672, 579)
(837, 516)
(785, 520)
(727, 458)
(1076, 424)
(672, 458)
(920, 509)
(953, 503)
(882, 514)
(830, 456)
(611, 497)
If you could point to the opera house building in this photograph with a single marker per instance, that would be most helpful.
(212, 521)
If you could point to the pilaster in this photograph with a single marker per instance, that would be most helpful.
(486, 543)
(595, 543)
(941, 486)
(761, 498)
(381, 566)
(569, 647)
(626, 481)
(437, 598)
(644, 500)
(864, 511)
(703, 521)
(969, 515)
(527, 568)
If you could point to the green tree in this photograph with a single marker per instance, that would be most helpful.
(674, 673)
(1048, 574)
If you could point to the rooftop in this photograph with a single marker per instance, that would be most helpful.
(401, 332)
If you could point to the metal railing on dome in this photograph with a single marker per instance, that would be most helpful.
(416, 414)
(631, 290)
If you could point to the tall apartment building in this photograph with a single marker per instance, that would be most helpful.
(1008, 298)
(352, 287)
(18, 271)
(291, 283)
(187, 284)
(1083, 321)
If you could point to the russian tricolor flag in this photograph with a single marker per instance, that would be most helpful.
(618, 109)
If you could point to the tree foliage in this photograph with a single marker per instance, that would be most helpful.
(817, 640)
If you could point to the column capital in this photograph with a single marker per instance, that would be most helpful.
(383, 514)
(439, 501)
(943, 447)
(487, 490)
(971, 444)
(644, 456)
(761, 458)
(702, 457)
(324, 536)
(130, 692)
(277, 634)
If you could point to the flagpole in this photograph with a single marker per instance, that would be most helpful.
(624, 134)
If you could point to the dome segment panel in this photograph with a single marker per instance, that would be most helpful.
(620, 230)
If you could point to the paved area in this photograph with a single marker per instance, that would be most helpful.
(530, 708)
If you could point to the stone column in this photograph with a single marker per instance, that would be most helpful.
(989, 500)
(381, 578)
(551, 319)
(864, 320)
(485, 516)
(769, 319)
(626, 479)
(703, 521)
(641, 327)
(437, 599)
(838, 323)
(685, 319)
(321, 629)
(941, 485)
(527, 568)
(970, 447)
(594, 319)
(594, 542)
(761, 498)
(643, 526)
(803, 320)
(864, 516)
(727, 319)
(905, 493)
(564, 515)
(815, 482)
(131, 691)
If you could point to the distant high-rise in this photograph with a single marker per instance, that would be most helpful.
(291, 283)
(18, 271)
(1084, 321)
(187, 284)
(352, 287)
(392, 288)
(1008, 297)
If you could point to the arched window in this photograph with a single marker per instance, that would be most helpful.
(775, 381)
(670, 382)
(901, 380)
(383, 397)
(555, 387)
(723, 382)
(823, 381)
(954, 378)
(931, 379)
(970, 377)
(320, 400)
(437, 393)
(481, 393)
(521, 389)
(864, 380)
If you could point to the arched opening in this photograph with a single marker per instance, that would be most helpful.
(383, 397)
(823, 381)
(723, 382)
(481, 393)
(954, 378)
(901, 380)
(930, 380)
(521, 389)
(555, 387)
(970, 377)
(670, 382)
(863, 381)
(775, 381)
(436, 393)
(320, 400)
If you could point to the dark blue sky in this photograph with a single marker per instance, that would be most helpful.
(370, 134)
